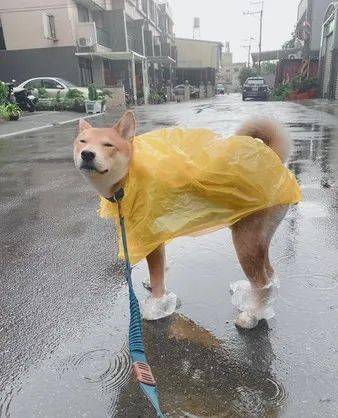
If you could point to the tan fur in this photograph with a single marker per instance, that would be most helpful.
(113, 152)
(270, 132)
(251, 236)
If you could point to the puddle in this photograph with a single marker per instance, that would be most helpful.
(66, 308)
(110, 370)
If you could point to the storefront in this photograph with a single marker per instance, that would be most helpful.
(115, 68)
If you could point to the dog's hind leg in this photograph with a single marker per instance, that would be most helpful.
(251, 237)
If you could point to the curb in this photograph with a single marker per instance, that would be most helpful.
(50, 125)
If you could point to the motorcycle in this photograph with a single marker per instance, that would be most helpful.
(22, 97)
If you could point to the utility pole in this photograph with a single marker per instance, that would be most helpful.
(260, 38)
(260, 13)
(248, 47)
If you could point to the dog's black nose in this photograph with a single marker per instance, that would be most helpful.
(87, 156)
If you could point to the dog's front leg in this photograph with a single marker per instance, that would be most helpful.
(156, 266)
(161, 303)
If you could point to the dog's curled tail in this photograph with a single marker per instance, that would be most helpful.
(270, 132)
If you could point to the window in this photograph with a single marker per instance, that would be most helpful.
(85, 71)
(33, 84)
(82, 13)
(51, 84)
(49, 27)
(2, 37)
(65, 82)
(255, 82)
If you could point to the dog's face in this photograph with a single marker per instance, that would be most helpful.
(103, 155)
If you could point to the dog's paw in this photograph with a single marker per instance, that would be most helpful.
(157, 308)
(241, 295)
(147, 283)
(246, 321)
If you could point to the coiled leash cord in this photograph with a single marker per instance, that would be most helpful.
(141, 367)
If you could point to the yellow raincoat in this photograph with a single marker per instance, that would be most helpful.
(185, 182)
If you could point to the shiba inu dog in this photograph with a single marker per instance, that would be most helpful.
(105, 156)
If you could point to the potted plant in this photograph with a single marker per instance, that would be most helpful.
(3, 93)
(93, 104)
(302, 89)
(3, 113)
(13, 111)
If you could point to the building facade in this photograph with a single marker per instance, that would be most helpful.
(229, 72)
(197, 61)
(328, 63)
(107, 42)
(310, 17)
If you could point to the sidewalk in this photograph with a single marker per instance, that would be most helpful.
(30, 122)
(322, 105)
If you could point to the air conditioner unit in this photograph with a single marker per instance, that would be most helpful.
(85, 42)
(295, 56)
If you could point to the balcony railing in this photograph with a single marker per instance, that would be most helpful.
(89, 35)
(131, 43)
(95, 4)
(103, 37)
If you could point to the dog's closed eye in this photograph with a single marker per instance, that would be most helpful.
(82, 140)
(108, 145)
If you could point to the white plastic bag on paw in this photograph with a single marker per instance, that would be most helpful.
(242, 297)
(157, 308)
(245, 299)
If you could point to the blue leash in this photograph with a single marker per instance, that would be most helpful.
(141, 367)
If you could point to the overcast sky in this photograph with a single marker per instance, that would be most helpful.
(223, 20)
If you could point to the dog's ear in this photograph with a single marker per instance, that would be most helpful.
(126, 126)
(83, 125)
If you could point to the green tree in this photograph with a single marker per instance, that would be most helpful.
(245, 73)
(268, 67)
(291, 43)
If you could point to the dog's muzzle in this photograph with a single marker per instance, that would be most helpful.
(87, 163)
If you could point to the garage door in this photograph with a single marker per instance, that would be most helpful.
(327, 66)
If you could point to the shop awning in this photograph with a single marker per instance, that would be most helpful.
(110, 55)
(162, 60)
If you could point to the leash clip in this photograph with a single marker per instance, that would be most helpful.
(118, 196)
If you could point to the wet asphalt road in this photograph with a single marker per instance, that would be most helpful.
(64, 311)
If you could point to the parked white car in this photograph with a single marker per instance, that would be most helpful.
(52, 85)
(194, 91)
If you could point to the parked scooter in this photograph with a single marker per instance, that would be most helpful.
(129, 98)
(22, 97)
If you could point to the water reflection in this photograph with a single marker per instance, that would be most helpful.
(314, 144)
(199, 375)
